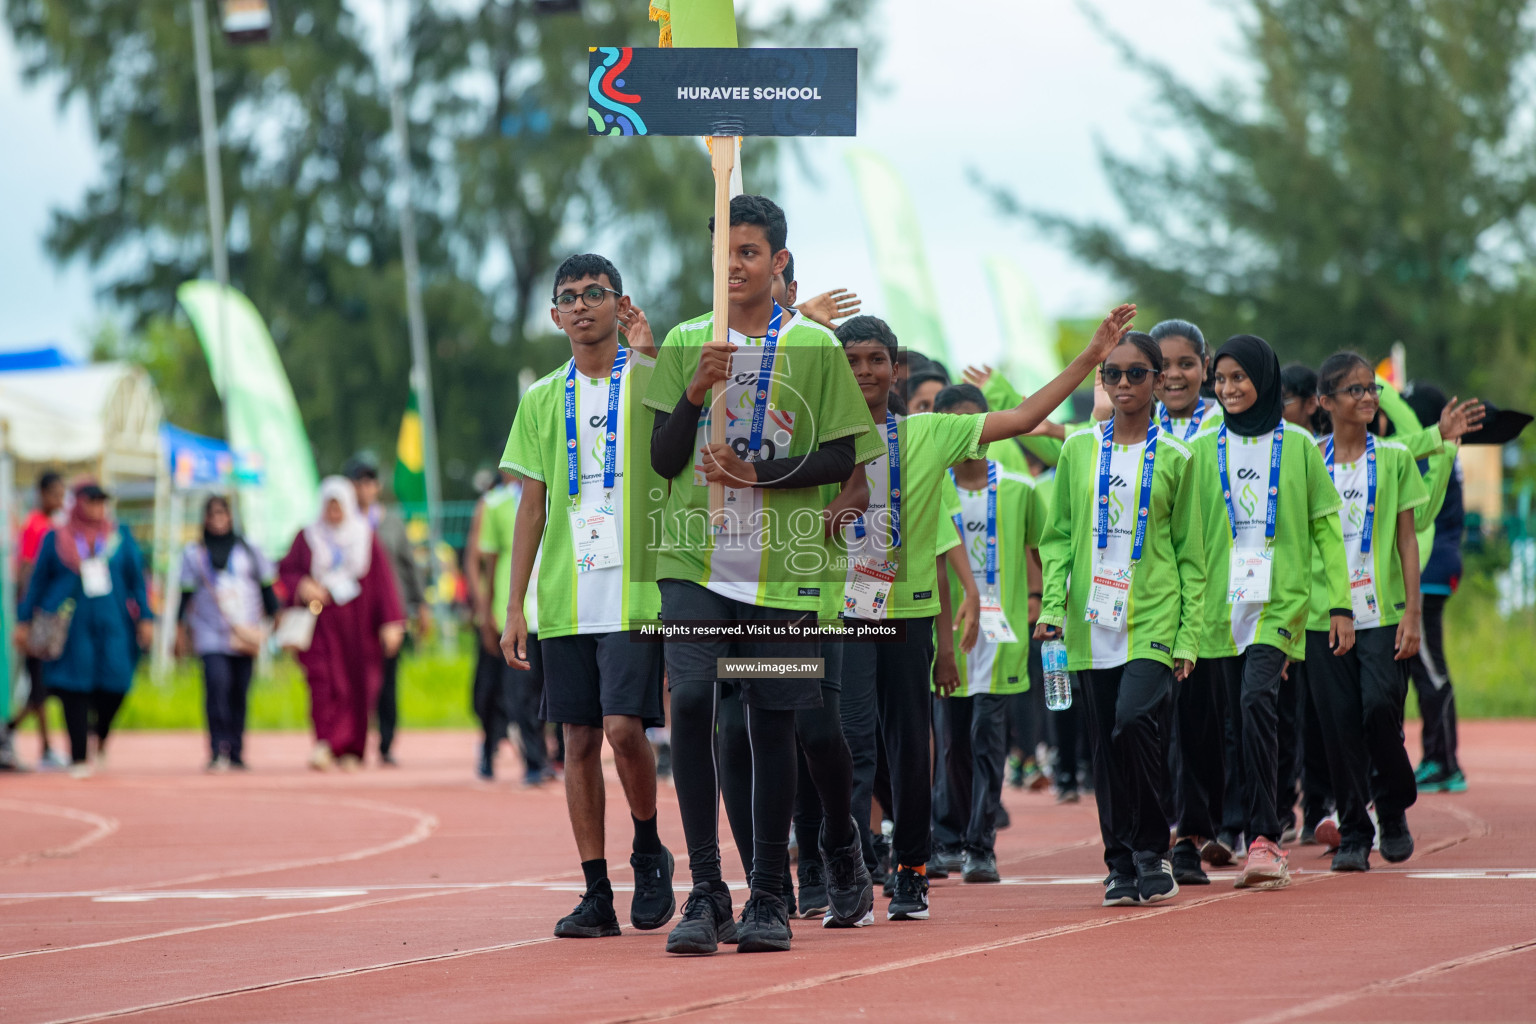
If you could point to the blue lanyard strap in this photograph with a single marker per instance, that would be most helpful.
(893, 463)
(611, 437)
(1273, 504)
(1194, 420)
(1144, 494)
(1367, 528)
(991, 560)
(764, 385)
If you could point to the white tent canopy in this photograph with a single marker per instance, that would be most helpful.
(106, 415)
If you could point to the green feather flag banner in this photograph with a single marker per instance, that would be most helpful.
(695, 22)
(1030, 358)
(896, 246)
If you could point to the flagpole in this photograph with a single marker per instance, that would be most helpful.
(421, 369)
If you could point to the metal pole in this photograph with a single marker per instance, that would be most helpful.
(421, 369)
(208, 118)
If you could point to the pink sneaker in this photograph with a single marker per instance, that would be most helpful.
(1265, 868)
(1327, 833)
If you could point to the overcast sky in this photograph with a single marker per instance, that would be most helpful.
(1020, 89)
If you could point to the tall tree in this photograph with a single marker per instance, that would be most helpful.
(506, 183)
(1371, 181)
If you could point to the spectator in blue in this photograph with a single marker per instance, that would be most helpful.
(226, 593)
(90, 572)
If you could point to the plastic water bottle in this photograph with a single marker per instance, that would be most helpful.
(1058, 685)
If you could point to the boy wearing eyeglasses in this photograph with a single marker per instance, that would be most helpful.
(579, 441)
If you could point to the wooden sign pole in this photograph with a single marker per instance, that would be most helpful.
(723, 161)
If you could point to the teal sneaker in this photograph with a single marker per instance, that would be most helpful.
(1454, 783)
(1426, 770)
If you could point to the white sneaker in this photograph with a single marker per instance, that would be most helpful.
(320, 758)
(80, 771)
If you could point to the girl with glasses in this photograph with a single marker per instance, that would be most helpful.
(1359, 693)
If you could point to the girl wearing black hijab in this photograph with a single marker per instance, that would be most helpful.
(226, 593)
(1269, 508)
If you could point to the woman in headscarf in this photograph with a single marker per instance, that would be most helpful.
(1269, 508)
(339, 571)
(226, 592)
(90, 573)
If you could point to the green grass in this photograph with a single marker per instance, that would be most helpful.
(434, 694)
(1492, 660)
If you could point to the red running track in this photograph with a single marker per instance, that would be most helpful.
(153, 892)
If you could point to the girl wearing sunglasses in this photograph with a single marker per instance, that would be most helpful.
(1124, 576)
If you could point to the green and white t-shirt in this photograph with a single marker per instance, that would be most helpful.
(993, 667)
(1398, 487)
(498, 519)
(574, 596)
(1166, 605)
(1305, 527)
(1210, 418)
(928, 444)
(775, 555)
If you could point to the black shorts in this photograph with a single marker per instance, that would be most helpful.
(694, 660)
(590, 675)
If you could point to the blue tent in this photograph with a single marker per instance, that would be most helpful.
(50, 357)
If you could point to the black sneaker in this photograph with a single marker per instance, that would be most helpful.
(812, 901)
(944, 861)
(1004, 819)
(1186, 864)
(1154, 878)
(654, 902)
(979, 867)
(1120, 890)
(593, 917)
(706, 922)
(850, 892)
(1351, 858)
(789, 890)
(910, 903)
(884, 871)
(1396, 840)
(764, 925)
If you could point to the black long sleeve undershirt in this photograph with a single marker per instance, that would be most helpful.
(672, 441)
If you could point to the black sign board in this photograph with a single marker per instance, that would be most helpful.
(701, 91)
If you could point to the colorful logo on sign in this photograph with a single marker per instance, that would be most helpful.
(610, 111)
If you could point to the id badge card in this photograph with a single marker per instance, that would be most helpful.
(342, 588)
(1248, 582)
(994, 624)
(1108, 596)
(95, 577)
(595, 537)
(868, 594)
(1362, 598)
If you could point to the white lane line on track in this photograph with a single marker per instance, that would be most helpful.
(425, 824)
(548, 885)
(1318, 1007)
(345, 972)
(219, 925)
(929, 958)
(101, 827)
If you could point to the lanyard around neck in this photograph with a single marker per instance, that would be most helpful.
(611, 436)
(1368, 527)
(1144, 495)
(1272, 506)
(1194, 420)
(893, 499)
(991, 560)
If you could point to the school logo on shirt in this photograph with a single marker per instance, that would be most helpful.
(1248, 498)
(1116, 505)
